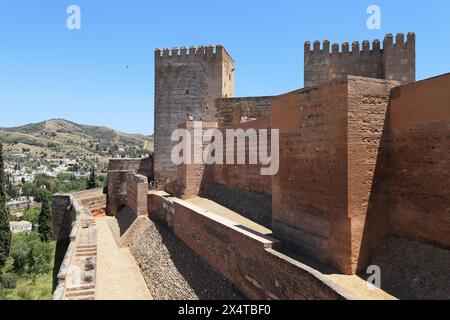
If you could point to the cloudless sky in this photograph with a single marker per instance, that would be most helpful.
(48, 71)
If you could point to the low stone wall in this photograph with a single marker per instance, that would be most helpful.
(137, 189)
(116, 181)
(249, 260)
(76, 277)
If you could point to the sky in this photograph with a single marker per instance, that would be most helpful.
(102, 74)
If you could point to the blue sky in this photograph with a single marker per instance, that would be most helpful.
(48, 71)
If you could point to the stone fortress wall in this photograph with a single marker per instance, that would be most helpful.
(337, 153)
(395, 61)
(363, 158)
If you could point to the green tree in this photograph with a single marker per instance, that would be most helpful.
(39, 258)
(20, 248)
(92, 181)
(5, 232)
(45, 219)
(32, 215)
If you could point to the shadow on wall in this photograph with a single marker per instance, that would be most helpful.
(125, 218)
(254, 206)
(376, 224)
(60, 252)
(203, 280)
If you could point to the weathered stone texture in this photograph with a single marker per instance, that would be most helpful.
(395, 61)
(246, 258)
(172, 270)
(62, 217)
(116, 181)
(418, 171)
(328, 151)
(186, 85)
(246, 177)
(192, 177)
(231, 111)
(137, 189)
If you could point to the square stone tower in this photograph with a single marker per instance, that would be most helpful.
(395, 61)
(187, 83)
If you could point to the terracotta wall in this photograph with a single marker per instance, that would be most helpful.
(328, 154)
(418, 168)
(245, 177)
(137, 189)
(118, 169)
(245, 258)
(230, 111)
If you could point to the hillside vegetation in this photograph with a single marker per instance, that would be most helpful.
(58, 138)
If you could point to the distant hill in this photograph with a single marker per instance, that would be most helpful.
(66, 139)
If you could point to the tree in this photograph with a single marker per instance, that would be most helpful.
(39, 258)
(5, 232)
(20, 248)
(92, 181)
(45, 219)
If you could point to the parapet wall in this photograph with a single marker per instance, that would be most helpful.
(395, 61)
(77, 274)
(184, 54)
(137, 189)
(247, 259)
(116, 180)
(231, 111)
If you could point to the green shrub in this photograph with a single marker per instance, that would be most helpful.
(39, 258)
(8, 280)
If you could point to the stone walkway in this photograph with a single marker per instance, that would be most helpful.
(118, 275)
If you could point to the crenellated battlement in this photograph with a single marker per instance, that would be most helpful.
(367, 47)
(193, 52)
(394, 59)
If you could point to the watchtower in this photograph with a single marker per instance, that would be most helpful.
(187, 83)
(395, 61)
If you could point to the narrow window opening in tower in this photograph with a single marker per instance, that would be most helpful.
(187, 91)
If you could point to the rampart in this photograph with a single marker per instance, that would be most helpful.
(77, 273)
(328, 150)
(249, 260)
(395, 61)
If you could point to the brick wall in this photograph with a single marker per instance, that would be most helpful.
(246, 258)
(137, 189)
(230, 111)
(328, 153)
(62, 216)
(193, 177)
(245, 177)
(418, 170)
(118, 170)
